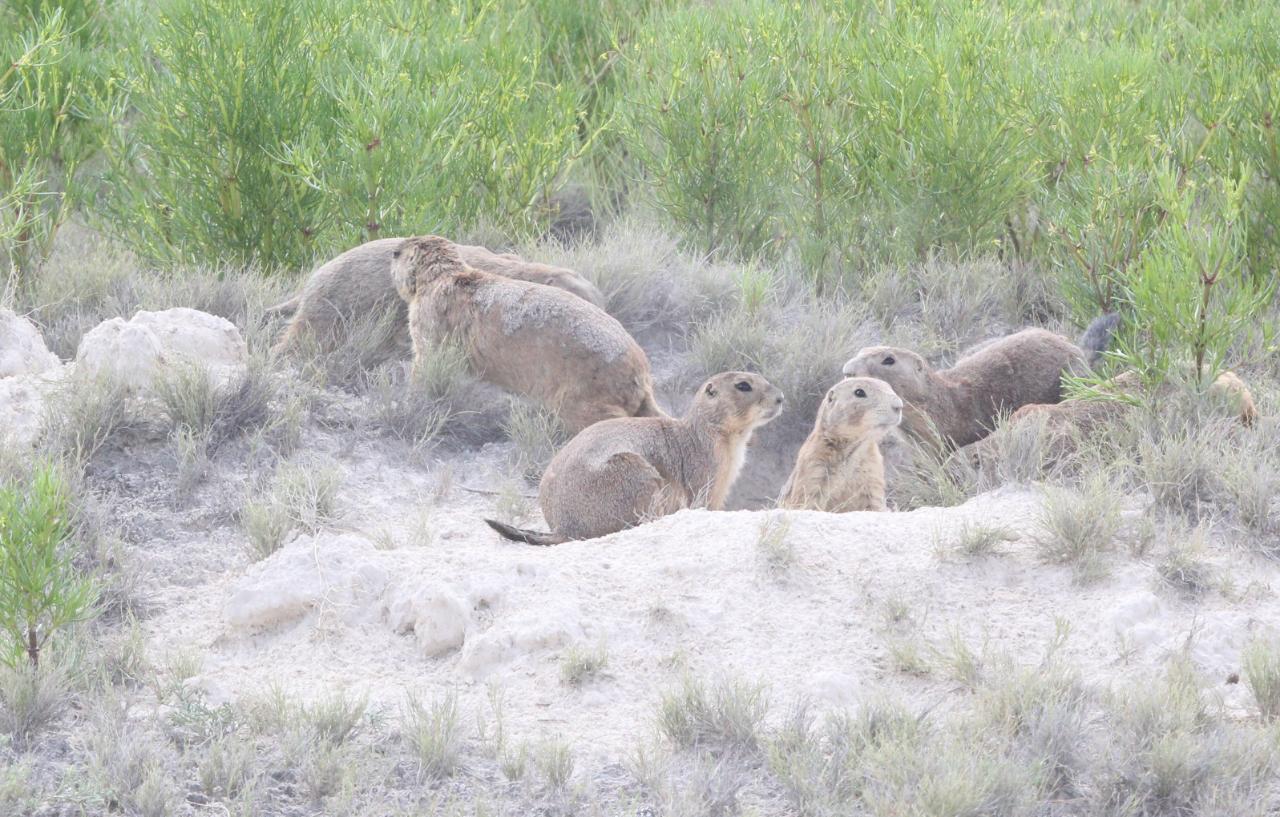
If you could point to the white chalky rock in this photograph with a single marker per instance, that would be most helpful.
(334, 573)
(22, 401)
(153, 344)
(434, 613)
(198, 337)
(22, 349)
(1137, 619)
(525, 633)
(120, 351)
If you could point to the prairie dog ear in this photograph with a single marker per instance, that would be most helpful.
(710, 390)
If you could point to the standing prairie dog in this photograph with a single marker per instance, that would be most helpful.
(531, 339)
(619, 473)
(839, 467)
(356, 286)
(960, 405)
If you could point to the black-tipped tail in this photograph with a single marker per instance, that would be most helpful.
(531, 537)
(1097, 337)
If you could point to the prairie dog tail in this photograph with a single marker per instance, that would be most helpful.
(531, 537)
(285, 308)
(1097, 337)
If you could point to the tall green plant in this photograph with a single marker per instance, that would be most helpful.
(54, 86)
(274, 132)
(700, 123)
(1191, 298)
(41, 591)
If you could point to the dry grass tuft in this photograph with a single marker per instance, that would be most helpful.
(580, 665)
(1078, 526)
(728, 716)
(1182, 567)
(301, 495)
(973, 540)
(31, 700)
(537, 434)
(434, 733)
(1262, 671)
(776, 552)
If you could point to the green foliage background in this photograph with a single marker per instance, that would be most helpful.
(839, 135)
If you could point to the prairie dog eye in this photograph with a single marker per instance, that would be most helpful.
(859, 393)
(396, 254)
(742, 385)
(888, 361)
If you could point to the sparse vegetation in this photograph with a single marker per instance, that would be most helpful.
(537, 434)
(726, 716)
(1262, 670)
(777, 553)
(434, 734)
(31, 698)
(580, 665)
(1079, 526)
(974, 540)
(555, 762)
(301, 496)
(1182, 567)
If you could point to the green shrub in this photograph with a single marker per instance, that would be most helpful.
(272, 132)
(54, 90)
(41, 591)
(699, 122)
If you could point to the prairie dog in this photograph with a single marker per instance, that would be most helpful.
(957, 406)
(839, 467)
(534, 340)
(619, 473)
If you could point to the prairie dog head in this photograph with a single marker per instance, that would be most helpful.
(905, 371)
(420, 260)
(738, 401)
(859, 408)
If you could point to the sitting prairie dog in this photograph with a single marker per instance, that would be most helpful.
(957, 406)
(839, 467)
(619, 473)
(534, 340)
(357, 285)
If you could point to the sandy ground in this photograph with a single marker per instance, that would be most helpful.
(378, 606)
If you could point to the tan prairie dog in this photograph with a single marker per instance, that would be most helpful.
(619, 473)
(839, 467)
(534, 340)
(957, 406)
(1065, 424)
(1083, 415)
(357, 285)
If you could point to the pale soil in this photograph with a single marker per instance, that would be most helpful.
(686, 593)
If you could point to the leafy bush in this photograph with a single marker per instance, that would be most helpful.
(41, 591)
(269, 133)
(53, 93)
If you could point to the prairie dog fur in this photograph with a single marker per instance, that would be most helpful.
(619, 473)
(357, 285)
(534, 340)
(839, 467)
(957, 406)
